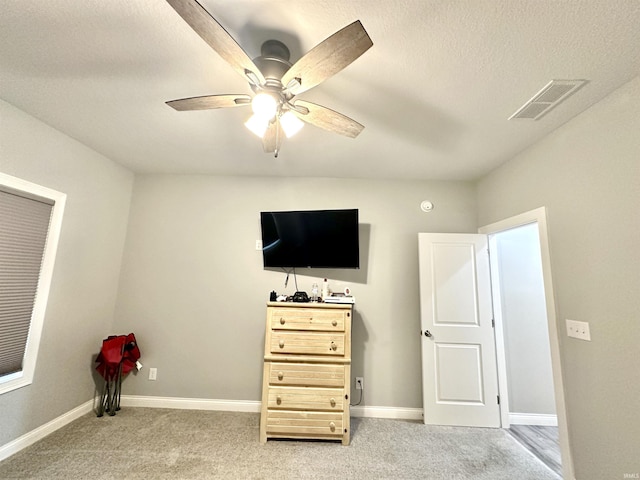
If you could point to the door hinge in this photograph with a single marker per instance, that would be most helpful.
(493, 322)
(498, 397)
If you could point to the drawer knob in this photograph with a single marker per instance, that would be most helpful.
(332, 427)
(281, 321)
(334, 347)
(278, 400)
(334, 323)
(333, 402)
(280, 375)
(281, 343)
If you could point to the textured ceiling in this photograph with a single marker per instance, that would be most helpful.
(434, 92)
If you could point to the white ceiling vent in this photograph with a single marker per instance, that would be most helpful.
(553, 93)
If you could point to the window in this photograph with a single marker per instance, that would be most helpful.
(30, 220)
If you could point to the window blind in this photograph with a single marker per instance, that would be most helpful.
(24, 225)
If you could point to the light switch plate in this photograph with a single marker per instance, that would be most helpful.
(577, 329)
(258, 244)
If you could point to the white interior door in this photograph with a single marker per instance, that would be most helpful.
(459, 375)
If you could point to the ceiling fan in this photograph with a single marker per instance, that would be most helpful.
(274, 80)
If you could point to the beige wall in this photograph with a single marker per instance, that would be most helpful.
(193, 287)
(84, 285)
(587, 174)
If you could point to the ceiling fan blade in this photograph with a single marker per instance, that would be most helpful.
(217, 37)
(326, 118)
(209, 101)
(328, 57)
(272, 138)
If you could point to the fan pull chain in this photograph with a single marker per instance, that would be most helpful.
(277, 149)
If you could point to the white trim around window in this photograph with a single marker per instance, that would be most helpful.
(25, 377)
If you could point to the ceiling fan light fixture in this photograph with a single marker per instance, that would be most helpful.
(264, 105)
(290, 124)
(274, 80)
(257, 124)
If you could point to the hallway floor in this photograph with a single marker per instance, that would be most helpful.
(542, 442)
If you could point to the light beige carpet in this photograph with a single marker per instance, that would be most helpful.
(144, 443)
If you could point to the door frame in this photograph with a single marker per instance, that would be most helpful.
(539, 216)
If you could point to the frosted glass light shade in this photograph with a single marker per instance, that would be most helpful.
(290, 124)
(257, 125)
(264, 105)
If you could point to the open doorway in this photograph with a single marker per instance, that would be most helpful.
(527, 346)
(527, 397)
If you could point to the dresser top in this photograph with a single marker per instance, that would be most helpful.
(310, 305)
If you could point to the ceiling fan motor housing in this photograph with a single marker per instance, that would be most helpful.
(274, 60)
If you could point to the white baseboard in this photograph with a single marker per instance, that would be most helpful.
(388, 412)
(190, 403)
(542, 419)
(185, 404)
(42, 431)
(254, 406)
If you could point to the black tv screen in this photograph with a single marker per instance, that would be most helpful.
(310, 238)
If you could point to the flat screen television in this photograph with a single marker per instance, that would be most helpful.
(310, 239)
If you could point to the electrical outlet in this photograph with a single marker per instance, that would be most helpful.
(258, 244)
(578, 330)
(153, 374)
(359, 383)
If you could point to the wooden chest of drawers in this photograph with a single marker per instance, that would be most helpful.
(307, 367)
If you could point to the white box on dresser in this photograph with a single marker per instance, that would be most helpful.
(307, 368)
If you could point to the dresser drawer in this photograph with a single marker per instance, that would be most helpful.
(307, 374)
(307, 319)
(304, 424)
(299, 398)
(307, 343)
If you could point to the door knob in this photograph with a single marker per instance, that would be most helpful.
(427, 333)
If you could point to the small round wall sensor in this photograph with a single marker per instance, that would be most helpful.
(426, 206)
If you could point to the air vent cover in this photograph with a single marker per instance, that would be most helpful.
(553, 93)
